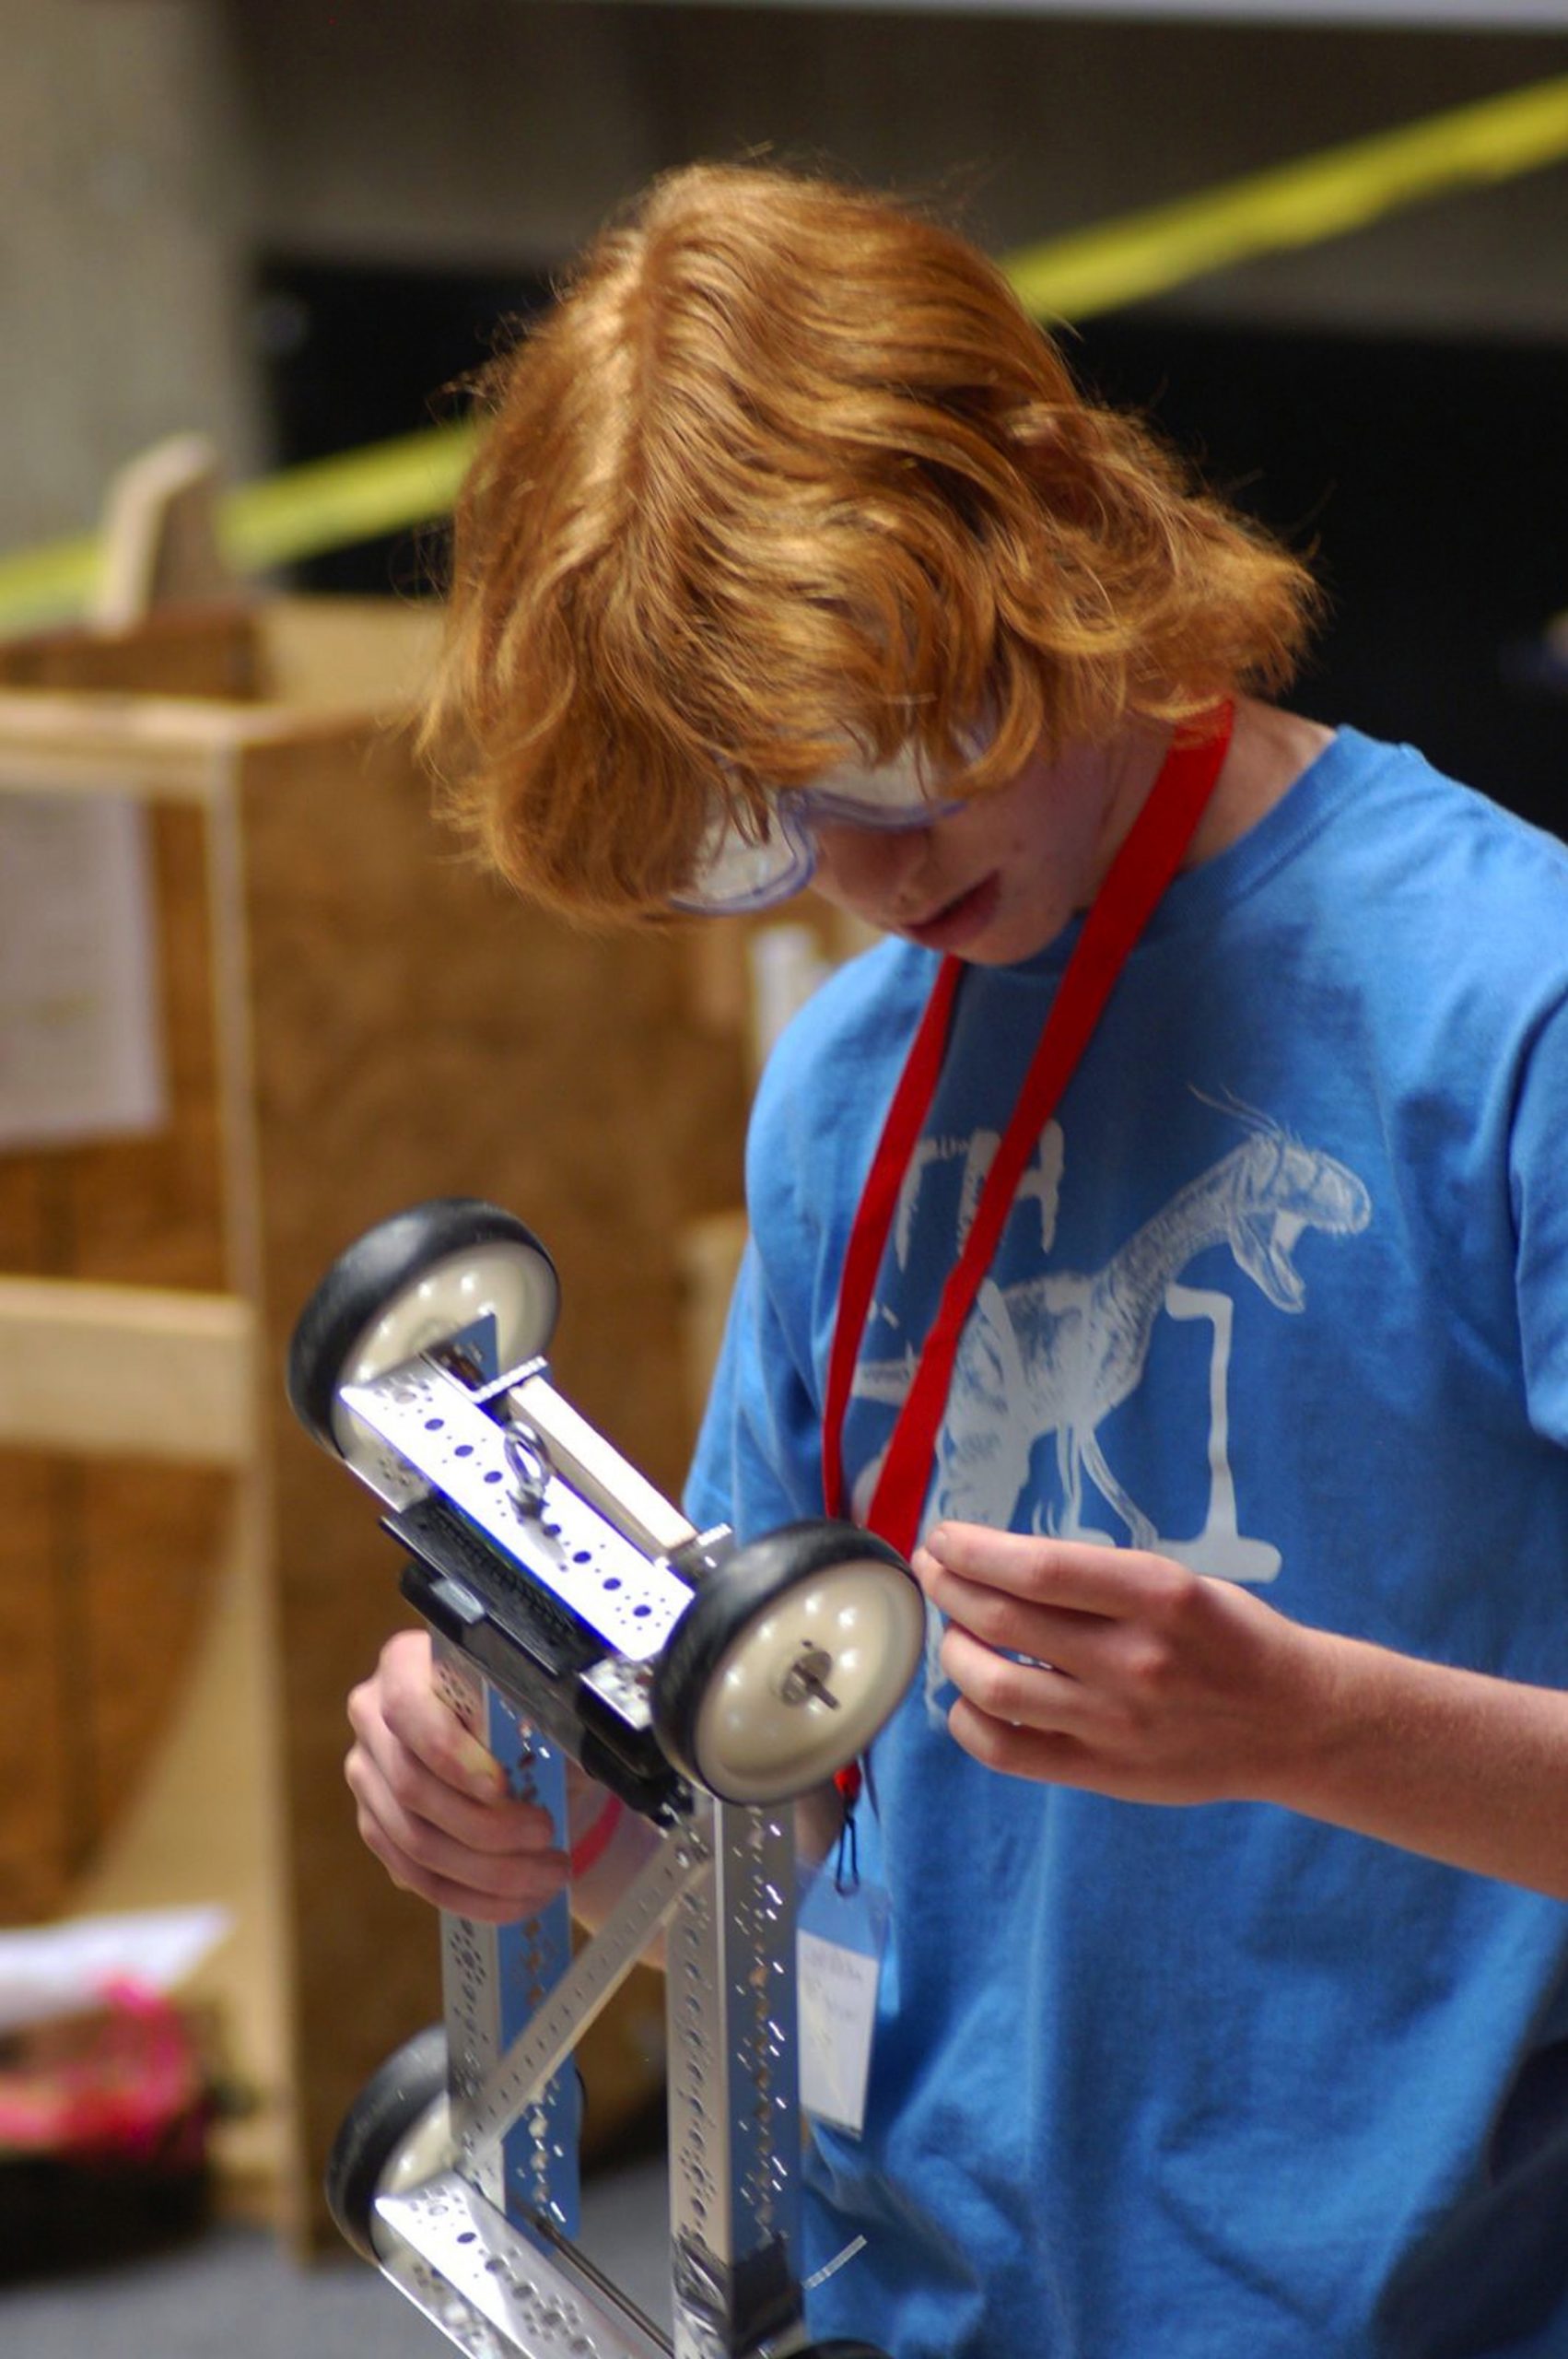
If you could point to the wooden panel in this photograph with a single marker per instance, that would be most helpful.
(150, 1211)
(110, 1565)
(147, 1371)
(149, 1548)
(710, 1260)
(39, 1796)
(198, 651)
(168, 749)
(354, 654)
(105, 1576)
(417, 1032)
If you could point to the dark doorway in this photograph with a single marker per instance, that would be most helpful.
(352, 354)
(1432, 479)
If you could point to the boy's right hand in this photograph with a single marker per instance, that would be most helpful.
(433, 1805)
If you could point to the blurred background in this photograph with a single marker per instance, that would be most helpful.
(290, 226)
(277, 1009)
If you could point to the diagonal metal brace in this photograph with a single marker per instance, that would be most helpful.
(683, 1858)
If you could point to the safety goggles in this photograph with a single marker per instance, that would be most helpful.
(736, 873)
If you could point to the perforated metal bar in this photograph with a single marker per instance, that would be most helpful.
(493, 2293)
(497, 1979)
(432, 1424)
(734, 2122)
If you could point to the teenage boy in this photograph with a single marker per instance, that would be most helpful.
(1199, 1308)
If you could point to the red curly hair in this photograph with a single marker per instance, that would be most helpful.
(787, 474)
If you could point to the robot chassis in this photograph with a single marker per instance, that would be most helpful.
(576, 1614)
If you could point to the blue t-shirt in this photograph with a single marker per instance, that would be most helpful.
(1283, 1294)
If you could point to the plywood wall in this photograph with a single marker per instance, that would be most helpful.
(107, 1565)
(392, 1026)
(417, 1033)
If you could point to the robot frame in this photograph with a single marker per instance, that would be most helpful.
(576, 1615)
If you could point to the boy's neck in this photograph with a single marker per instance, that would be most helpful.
(1269, 749)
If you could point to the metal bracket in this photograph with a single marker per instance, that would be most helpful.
(432, 1423)
(495, 2295)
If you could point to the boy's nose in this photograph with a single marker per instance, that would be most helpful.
(869, 863)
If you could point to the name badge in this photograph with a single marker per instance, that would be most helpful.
(839, 1945)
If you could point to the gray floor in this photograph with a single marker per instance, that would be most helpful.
(234, 2293)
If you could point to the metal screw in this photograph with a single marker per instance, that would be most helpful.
(804, 1677)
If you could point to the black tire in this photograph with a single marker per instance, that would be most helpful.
(733, 1606)
(364, 1283)
(376, 2124)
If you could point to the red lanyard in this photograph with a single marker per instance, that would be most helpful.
(1148, 859)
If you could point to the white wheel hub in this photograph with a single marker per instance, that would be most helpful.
(806, 1683)
(424, 2151)
(509, 1284)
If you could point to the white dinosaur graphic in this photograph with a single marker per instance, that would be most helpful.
(1040, 1183)
(1055, 1354)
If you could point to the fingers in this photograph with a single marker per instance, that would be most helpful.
(494, 1881)
(402, 1702)
(433, 1807)
(1112, 1668)
(1049, 1758)
(1018, 1695)
(1093, 1612)
(1027, 1720)
(1097, 1677)
(1069, 1642)
(1074, 1575)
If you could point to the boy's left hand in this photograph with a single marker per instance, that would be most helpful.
(1141, 1680)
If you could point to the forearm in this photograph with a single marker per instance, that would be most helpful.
(1125, 1673)
(632, 1842)
(1459, 1766)
(620, 1844)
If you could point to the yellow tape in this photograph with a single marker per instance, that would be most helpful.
(326, 504)
(334, 502)
(39, 584)
(1293, 205)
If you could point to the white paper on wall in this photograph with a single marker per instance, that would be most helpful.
(81, 1051)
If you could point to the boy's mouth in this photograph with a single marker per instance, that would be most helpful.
(959, 920)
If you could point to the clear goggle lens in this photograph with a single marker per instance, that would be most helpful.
(735, 873)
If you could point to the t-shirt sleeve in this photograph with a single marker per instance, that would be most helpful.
(759, 1455)
(1540, 1178)
(758, 1460)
